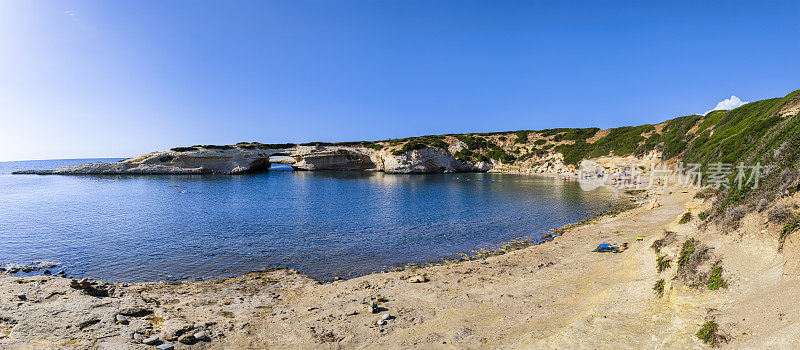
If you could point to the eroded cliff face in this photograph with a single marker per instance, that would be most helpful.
(236, 160)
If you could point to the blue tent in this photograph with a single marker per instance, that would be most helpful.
(604, 245)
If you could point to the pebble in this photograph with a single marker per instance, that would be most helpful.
(418, 279)
(373, 307)
(22, 296)
(381, 322)
(150, 341)
(138, 336)
(386, 316)
(122, 319)
(200, 335)
(165, 346)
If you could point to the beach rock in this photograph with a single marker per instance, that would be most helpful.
(386, 316)
(372, 307)
(47, 272)
(121, 319)
(97, 289)
(138, 336)
(22, 296)
(381, 322)
(653, 204)
(62, 272)
(418, 279)
(165, 346)
(151, 340)
(200, 335)
(187, 339)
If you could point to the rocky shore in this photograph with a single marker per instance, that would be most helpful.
(555, 295)
(232, 160)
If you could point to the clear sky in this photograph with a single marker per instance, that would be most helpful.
(121, 78)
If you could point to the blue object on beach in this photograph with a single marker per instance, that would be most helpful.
(604, 245)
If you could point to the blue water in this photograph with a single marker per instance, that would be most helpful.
(323, 224)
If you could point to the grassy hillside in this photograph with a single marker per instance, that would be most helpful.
(766, 131)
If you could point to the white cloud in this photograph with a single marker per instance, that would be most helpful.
(728, 104)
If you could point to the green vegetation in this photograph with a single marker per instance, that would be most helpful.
(422, 142)
(662, 263)
(708, 333)
(184, 149)
(375, 146)
(687, 216)
(658, 288)
(715, 280)
(539, 142)
(619, 141)
(576, 134)
(792, 225)
(522, 136)
(689, 246)
(703, 215)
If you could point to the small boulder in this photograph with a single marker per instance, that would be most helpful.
(187, 339)
(386, 316)
(47, 272)
(201, 335)
(165, 346)
(418, 279)
(151, 340)
(22, 296)
(138, 336)
(121, 319)
(381, 322)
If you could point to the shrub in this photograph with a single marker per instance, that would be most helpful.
(502, 138)
(687, 216)
(715, 280)
(662, 263)
(539, 142)
(689, 246)
(375, 146)
(792, 225)
(668, 238)
(522, 136)
(703, 215)
(658, 288)
(183, 149)
(708, 333)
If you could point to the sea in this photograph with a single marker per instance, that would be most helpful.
(324, 224)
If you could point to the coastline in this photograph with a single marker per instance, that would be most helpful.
(561, 294)
(269, 289)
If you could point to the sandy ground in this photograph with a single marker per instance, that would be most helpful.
(558, 295)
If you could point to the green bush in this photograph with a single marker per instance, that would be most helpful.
(708, 333)
(792, 225)
(715, 280)
(687, 216)
(522, 136)
(183, 149)
(539, 142)
(687, 249)
(703, 215)
(375, 146)
(662, 263)
(658, 288)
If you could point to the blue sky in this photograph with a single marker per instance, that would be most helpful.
(117, 79)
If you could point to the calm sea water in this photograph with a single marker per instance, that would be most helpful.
(324, 224)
